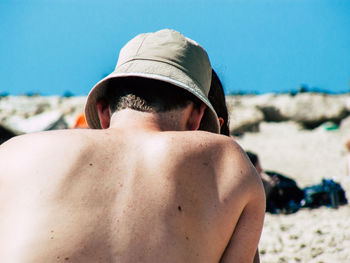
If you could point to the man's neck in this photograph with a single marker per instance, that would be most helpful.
(137, 120)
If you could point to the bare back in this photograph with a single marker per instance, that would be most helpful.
(92, 196)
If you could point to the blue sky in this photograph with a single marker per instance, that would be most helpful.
(53, 46)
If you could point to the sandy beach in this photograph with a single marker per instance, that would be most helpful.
(306, 155)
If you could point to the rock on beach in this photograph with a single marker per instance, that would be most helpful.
(308, 109)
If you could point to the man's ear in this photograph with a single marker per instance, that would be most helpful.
(195, 117)
(104, 113)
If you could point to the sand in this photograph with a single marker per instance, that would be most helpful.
(317, 235)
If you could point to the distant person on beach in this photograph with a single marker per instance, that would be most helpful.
(268, 182)
(282, 193)
(347, 146)
(80, 122)
(144, 184)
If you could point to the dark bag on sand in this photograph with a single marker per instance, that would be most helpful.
(327, 193)
(285, 197)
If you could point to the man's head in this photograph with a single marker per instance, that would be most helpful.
(146, 95)
(150, 96)
(167, 57)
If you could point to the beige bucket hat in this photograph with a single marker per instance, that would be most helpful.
(165, 55)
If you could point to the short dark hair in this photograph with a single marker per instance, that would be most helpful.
(253, 157)
(146, 95)
(217, 99)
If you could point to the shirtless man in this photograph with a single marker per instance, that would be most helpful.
(147, 187)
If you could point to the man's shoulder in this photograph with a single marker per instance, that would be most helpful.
(234, 167)
(220, 149)
(204, 138)
(40, 154)
(39, 146)
(32, 141)
(217, 144)
(230, 165)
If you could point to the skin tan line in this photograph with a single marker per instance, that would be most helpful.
(147, 188)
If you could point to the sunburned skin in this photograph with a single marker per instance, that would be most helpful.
(128, 195)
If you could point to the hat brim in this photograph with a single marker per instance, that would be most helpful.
(152, 70)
